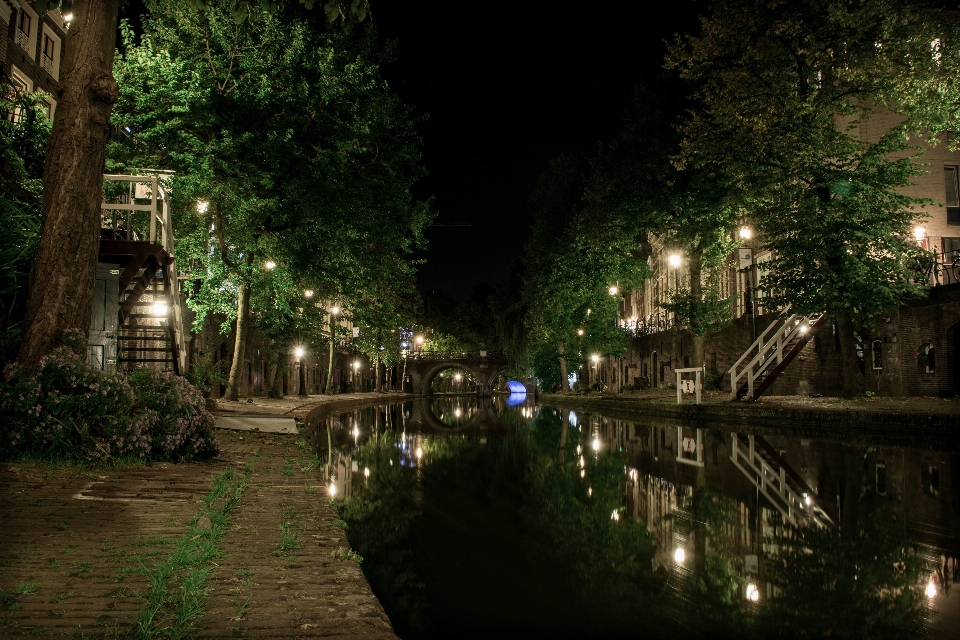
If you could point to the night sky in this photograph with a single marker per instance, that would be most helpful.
(507, 86)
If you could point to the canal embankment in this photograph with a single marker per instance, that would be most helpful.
(924, 423)
(83, 548)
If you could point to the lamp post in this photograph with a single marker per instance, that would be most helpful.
(675, 263)
(303, 373)
(748, 306)
(356, 376)
(596, 363)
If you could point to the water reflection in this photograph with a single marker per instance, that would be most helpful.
(513, 519)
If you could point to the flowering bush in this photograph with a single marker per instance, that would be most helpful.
(67, 409)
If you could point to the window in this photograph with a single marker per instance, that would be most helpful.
(952, 188)
(24, 24)
(21, 84)
(926, 359)
(877, 351)
(50, 52)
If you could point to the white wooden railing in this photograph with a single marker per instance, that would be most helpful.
(768, 350)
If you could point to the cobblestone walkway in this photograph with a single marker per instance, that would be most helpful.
(72, 543)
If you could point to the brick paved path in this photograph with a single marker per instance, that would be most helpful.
(72, 541)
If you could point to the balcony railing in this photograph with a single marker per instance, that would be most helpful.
(23, 40)
(47, 63)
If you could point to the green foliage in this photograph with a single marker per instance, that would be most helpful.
(204, 371)
(24, 132)
(793, 97)
(305, 159)
(66, 409)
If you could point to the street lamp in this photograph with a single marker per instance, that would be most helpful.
(159, 309)
(308, 293)
(613, 290)
(303, 373)
(745, 233)
(202, 206)
(356, 376)
(579, 332)
(920, 233)
(270, 265)
(595, 358)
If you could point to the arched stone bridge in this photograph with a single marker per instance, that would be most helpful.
(424, 369)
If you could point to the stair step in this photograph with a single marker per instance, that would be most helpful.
(145, 360)
(160, 349)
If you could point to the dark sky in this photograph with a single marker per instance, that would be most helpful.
(508, 86)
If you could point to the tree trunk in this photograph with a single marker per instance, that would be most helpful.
(64, 275)
(276, 387)
(239, 345)
(564, 429)
(849, 363)
(696, 298)
(271, 376)
(564, 379)
(329, 388)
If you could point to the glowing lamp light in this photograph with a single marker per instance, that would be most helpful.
(419, 339)
(919, 233)
(68, 17)
(159, 308)
(457, 377)
(270, 265)
(356, 432)
(299, 352)
(931, 590)
(679, 555)
(456, 412)
(745, 233)
(596, 444)
(579, 332)
(615, 516)
(308, 293)
(202, 206)
(419, 453)
(335, 310)
(332, 489)
(674, 260)
(356, 364)
(595, 358)
(753, 594)
(366, 472)
(613, 291)
(807, 500)
(803, 329)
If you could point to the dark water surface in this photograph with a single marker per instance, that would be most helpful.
(499, 518)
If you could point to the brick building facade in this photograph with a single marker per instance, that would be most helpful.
(31, 48)
(911, 350)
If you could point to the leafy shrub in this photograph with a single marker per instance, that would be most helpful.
(66, 409)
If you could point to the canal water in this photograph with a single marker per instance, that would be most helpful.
(484, 518)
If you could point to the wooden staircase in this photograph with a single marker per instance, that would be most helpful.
(771, 354)
(149, 329)
(779, 482)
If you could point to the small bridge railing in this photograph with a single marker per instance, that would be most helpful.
(464, 355)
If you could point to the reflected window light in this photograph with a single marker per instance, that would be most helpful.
(419, 453)
(679, 555)
(578, 450)
(806, 499)
(589, 491)
(753, 593)
(615, 516)
(581, 462)
(356, 432)
(582, 473)
(332, 489)
(366, 472)
(931, 589)
(596, 444)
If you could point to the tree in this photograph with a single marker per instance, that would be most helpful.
(787, 89)
(689, 210)
(285, 132)
(575, 255)
(65, 265)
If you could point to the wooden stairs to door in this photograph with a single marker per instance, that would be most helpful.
(771, 354)
(147, 333)
(778, 481)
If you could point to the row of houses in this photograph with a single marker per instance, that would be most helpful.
(910, 350)
(31, 48)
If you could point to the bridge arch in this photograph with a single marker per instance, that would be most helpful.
(484, 369)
